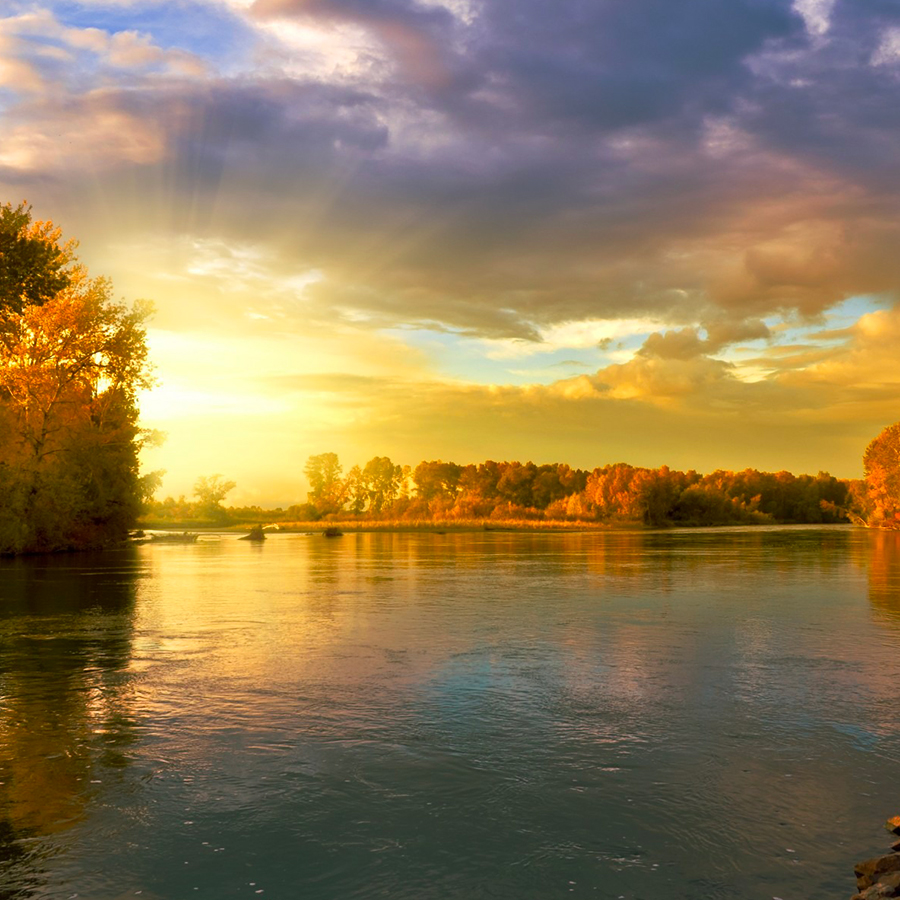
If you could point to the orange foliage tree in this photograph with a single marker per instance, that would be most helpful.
(71, 363)
(881, 463)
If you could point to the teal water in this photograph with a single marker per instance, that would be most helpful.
(706, 714)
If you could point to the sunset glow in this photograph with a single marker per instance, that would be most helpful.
(497, 229)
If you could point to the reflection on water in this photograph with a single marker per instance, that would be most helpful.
(679, 714)
(65, 635)
(884, 575)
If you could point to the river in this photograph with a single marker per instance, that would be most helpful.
(684, 714)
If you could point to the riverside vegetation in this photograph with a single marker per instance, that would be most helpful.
(383, 494)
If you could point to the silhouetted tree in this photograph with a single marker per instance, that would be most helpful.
(323, 471)
(210, 491)
(380, 482)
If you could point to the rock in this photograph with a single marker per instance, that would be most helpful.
(895, 845)
(893, 825)
(886, 886)
(871, 870)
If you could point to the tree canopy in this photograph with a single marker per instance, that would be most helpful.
(323, 472)
(71, 363)
(881, 463)
(210, 491)
(34, 266)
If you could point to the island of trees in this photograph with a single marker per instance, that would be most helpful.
(383, 492)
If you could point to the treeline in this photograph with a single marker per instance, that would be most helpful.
(445, 491)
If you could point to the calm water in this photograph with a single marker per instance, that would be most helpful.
(678, 715)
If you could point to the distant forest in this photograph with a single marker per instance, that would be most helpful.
(437, 491)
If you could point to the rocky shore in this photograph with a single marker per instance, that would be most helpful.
(880, 876)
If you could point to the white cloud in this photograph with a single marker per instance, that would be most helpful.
(464, 10)
(816, 15)
(569, 336)
(244, 267)
(332, 52)
(888, 52)
(79, 139)
(37, 41)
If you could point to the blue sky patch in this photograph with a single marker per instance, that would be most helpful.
(211, 32)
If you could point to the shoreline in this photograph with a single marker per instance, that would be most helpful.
(472, 527)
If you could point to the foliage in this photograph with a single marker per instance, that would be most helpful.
(323, 472)
(437, 480)
(210, 491)
(380, 482)
(881, 463)
(504, 492)
(71, 363)
(34, 266)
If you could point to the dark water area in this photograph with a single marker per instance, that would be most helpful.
(705, 714)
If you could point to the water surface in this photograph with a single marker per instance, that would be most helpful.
(705, 714)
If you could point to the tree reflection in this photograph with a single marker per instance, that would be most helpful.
(66, 626)
(884, 575)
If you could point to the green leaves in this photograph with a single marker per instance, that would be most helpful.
(34, 267)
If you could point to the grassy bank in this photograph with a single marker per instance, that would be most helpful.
(440, 527)
(392, 525)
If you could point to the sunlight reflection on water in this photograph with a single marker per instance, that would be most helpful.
(708, 713)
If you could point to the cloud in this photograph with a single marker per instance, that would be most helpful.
(411, 34)
(725, 332)
(532, 177)
(681, 344)
(816, 15)
(501, 170)
(71, 138)
(888, 51)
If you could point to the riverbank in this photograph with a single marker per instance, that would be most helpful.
(464, 526)
(391, 525)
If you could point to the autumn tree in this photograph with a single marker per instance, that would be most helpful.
(323, 471)
(210, 491)
(71, 363)
(515, 484)
(437, 480)
(881, 463)
(478, 488)
(354, 491)
(380, 482)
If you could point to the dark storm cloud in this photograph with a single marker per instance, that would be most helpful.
(499, 168)
(836, 103)
(585, 180)
(591, 65)
(617, 64)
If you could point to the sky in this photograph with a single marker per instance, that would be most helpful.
(586, 231)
